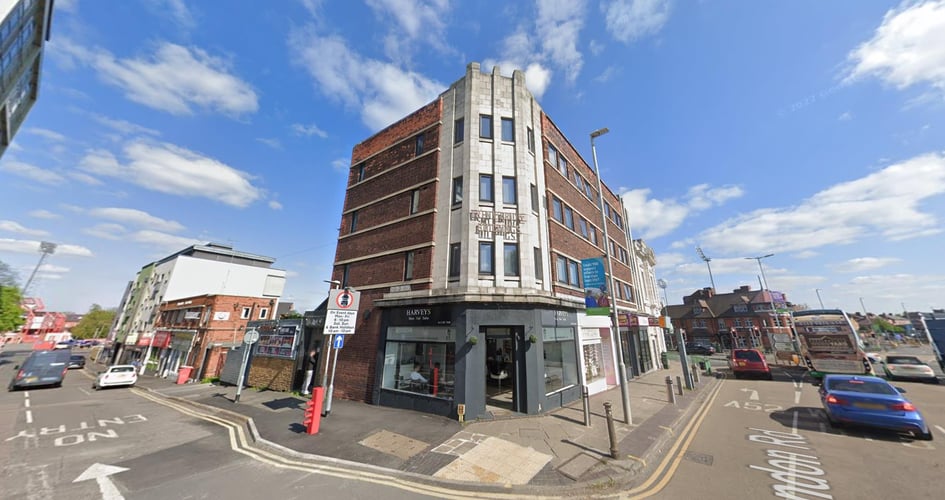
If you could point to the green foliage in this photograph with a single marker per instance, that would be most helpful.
(293, 314)
(96, 320)
(8, 276)
(882, 325)
(11, 315)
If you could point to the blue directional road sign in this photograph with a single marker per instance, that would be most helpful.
(339, 342)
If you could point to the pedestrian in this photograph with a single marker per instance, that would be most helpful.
(311, 361)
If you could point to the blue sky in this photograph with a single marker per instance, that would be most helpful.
(812, 130)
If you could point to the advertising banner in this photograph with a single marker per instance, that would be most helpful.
(828, 342)
(596, 295)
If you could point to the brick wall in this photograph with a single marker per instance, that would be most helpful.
(398, 131)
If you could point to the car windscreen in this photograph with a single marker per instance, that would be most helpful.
(39, 358)
(748, 356)
(864, 386)
(902, 360)
(122, 369)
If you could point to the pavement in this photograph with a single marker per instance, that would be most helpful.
(552, 454)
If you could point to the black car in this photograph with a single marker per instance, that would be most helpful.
(41, 368)
(702, 349)
(76, 361)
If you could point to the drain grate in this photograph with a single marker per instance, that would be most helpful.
(699, 458)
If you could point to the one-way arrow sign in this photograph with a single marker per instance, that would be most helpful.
(100, 473)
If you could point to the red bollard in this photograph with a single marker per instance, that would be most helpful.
(313, 411)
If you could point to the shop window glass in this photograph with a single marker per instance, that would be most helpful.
(426, 368)
(560, 358)
(593, 361)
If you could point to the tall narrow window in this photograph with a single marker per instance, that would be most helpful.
(486, 257)
(354, 221)
(557, 210)
(263, 313)
(509, 196)
(535, 201)
(457, 190)
(360, 168)
(415, 201)
(458, 131)
(418, 145)
(344, 275)
(583, 225)
(508, 130)
(573, 274)
(485, 126)
(244, 314)
(562, 166)
(454, 259)
(561, 269)
(485, 188)
(569, 217)
(531, 139)
(408, 265)
(593, 232)
(539, 267)
(552, 155)
(510, 257)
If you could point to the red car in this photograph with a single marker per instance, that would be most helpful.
(749, 362)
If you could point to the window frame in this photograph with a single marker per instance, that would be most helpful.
(506, 191)
(530, 137)
(557, 209)
(354, 222)
(507, 129)
(459, 130)
(512, 259)
(457, 191)
(409, 257)
(418, 145)
(489, 132)
(491, 190)
(454, 264)
(487, 248)
(414, 201)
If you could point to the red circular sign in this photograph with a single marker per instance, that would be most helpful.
(345, 300)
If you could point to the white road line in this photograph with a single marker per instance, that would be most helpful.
(797, 397)
(940, 429)
(29, 416)
(794, 423)
(26, 403)
(87, 393)
(26, 394)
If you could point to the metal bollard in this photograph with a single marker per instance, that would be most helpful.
(585, 396)
(679, 390)
(608, 410)
(670, 395)
(695, 374)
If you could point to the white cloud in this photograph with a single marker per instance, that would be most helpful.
(44, 214)
(31, 246)
(174, 79)
(275, 205)
(271, 142)
(177, 11)
(341, 164)
(667, 261)
(159, 240)
(136, 217)
(806, 254)
(52, 268)
(46, 133)
(629, 20)
(414, 20)
(171, 169)
(653, 217)
(16, 227)
(907, 49)
(122, 126)
(84, 178)
(308, 130)
(558, 27)
(846, 116)
(108, 231)
(865, 264)
(884, 203)
(32, 172)
(381, 91)
(67, 5)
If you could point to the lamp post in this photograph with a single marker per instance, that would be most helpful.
(47, 249)
(680, 342)
(764, 279)
(327, 345)
(817, 290)
(707, 260)
(621, 365)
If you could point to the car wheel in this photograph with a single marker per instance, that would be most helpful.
(924, 436)
(770, 376)
(737, 375)
(934, 381)
(95, 387)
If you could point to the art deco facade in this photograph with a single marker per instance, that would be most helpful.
(465, 227)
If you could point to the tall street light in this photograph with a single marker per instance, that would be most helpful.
(707, 260)
(818, 298)
(47, 249)
(621, 365)
(764, 280)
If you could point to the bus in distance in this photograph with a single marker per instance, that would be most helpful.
(829, 343)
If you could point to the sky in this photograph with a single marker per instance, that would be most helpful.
(810, 130)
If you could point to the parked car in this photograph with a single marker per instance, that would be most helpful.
(908, 368)
(871, 402)
(749, 362)
(41, 368)
(703, 349)
(116, 375)
(64, 344)
(76, 361)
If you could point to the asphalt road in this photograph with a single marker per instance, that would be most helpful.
(757, 432)
(73, 442)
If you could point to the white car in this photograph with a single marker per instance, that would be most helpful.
(908, 368)
(115, 376)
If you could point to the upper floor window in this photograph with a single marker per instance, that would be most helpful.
(415, 201)
(454, 259)
(569, 217)
(485, 126)
(354, 221)
(556, 210)
(578, 181)
(509, 196)
(457, 190)
(588, 190)
(531, 139)
(360, 168)
(263, 313)
(485, 188)
(539, 268)
(408, 265)
(562, 165)
(510, 259)
(508, 130)
(486, 257)
(535, 201)
(458, 131)
(418, 145)
(582, 224)
(552, 155)
(346, 271)
(244, 314)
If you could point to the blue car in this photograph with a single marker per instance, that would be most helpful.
(870, 402)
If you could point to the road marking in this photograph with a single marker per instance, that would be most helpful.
(100, 473)
(754, 393)
(940, 429)
(26, 394)
(794, 423)
(87, 393)
(26, 403)
(797, 397)
(29, 416)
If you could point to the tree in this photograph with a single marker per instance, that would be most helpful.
(11, 314)
(8, 276)
(96, 322)
(885, 326)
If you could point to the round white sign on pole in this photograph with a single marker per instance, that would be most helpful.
(251, 337)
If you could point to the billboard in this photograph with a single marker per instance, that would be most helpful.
(596, 295)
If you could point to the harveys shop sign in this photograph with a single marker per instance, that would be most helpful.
(421, 315)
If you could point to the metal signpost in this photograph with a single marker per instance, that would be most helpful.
(250, 338)
(342, 315)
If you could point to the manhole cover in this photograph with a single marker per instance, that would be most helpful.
(699, 458)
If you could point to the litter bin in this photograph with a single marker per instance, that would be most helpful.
(702, 365)
(183, 373)
(664, 358)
